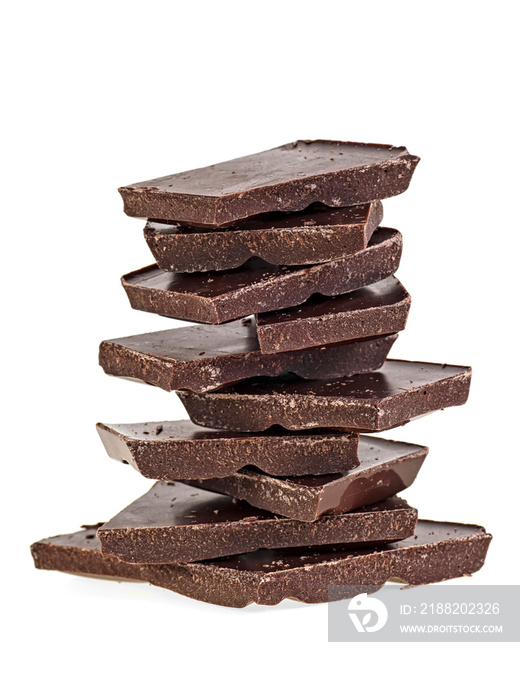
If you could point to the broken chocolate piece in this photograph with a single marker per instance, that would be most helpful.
(377, 309)
(386, 468)
(202, 359)
(287, 178)
(304, 238)
(179, 523)
(436, 552)
(181, 450)
(216, 297)
(370, 402)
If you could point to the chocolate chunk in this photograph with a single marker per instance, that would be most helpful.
(304, 238)
(215, 297)
(387, 467)
(182, 450)
(375, 401)
(287, 178)
(179, 523)
(436, 552)
(201, 359)
(379, 308)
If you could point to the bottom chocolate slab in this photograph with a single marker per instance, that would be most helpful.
(180, 523)
(437, 552)
(386, 467)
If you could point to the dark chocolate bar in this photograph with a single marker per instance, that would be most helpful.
(202, 359)
(287, 178)
(369, 402)
(181, 450)
(436, 552)
(386, 468)
(377, 309)
(179, 523)
(304, 238)
(256, 287)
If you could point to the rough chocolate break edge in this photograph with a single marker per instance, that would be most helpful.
(288, 178)
(380, 308)
(436, 552)
(308, 238)
(374, 401)
(386, 468)
(201, 358)
(180, 523)
(181, 450)
(256, 287)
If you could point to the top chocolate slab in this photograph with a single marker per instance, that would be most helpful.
(317, 235)
(287, 178)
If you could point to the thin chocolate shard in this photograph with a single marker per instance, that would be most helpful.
(173, 450)
(386, 468)
(180, 523)
(369, 402)
(436, 552)
(256, 287)
(378, 309)
(304, 238)
(287, 178)
(202, 359)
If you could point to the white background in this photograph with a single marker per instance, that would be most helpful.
(103, 94)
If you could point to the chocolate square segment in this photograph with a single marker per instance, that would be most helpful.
(257, 287)
(202, 359)
(386, 467)
(317, 235)
(172, 450)
(378, 309)
(180, 523)
(375, 401)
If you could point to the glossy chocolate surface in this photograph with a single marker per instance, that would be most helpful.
(256, 287)
(317, 235)
(288, 178)
(172, 450)
(436, 552)
(374, 401)
(201, 358)
(380, 308)
(180, 523)
(386, 468)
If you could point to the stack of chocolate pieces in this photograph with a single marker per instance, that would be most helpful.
(272, 490)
